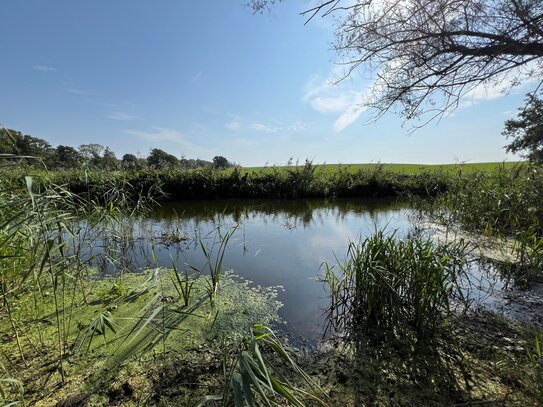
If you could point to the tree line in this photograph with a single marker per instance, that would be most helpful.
(16, 146)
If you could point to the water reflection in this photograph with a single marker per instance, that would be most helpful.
(277, 243)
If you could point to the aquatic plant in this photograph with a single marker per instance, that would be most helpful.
(11, 392)
(214, 260)
(389, 285)
(253, 378)
(535, 355)
(297, 181)
(528, 249)
(499, 203)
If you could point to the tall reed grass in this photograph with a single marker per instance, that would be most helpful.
(302, 181)
(392, 286)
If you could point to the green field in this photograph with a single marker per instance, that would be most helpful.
(406, 168)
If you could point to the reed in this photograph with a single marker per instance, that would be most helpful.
(392, 286)
(300, 181)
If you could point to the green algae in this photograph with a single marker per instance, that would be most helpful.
(122, 329)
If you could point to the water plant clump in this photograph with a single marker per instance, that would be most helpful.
(406, 334)
(392, 286)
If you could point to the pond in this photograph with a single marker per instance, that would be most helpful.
(276, 243)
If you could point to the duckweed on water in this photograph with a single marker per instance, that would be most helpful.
(123, 315)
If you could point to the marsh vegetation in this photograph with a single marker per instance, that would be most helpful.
(100, 324)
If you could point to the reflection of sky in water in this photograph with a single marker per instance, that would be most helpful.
(277, 243)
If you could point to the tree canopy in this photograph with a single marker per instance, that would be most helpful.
(16, 146)
(220, 162)
(527, 130)
(161, 159)
(427, 54)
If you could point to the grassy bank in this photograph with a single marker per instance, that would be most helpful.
(72, 337)
(295, 182)
(302, 181)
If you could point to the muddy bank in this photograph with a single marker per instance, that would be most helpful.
(480, 358)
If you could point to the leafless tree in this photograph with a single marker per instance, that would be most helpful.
(425, 55)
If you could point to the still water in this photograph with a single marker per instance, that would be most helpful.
(276, 243)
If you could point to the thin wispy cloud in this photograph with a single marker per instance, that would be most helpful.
(233, 125)
(121, 116)
(264, 128)
(512, 81)
(331, 104)
(164, 135)
(78, 91)
(44, 68)
(326, 97)
(298, 126)
(349, 116)
(196, 77)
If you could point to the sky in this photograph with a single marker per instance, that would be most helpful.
(206, 78)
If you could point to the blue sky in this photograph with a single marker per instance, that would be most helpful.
(206, 78)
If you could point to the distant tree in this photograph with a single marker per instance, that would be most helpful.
(109, 160)
(203, 163)
(66, 157)
(186, 163)
(15, 142)
(37, 147)
(220, 162)
(161, 159)
(130, 162)
(527, 130)
(91, 154)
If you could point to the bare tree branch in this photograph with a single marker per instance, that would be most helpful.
(428, 54)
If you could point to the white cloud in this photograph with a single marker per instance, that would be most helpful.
(289, 128)
(264, 128)
(162, 135)
(326, 97)
(331, 104)
(517, 80)
(44, 68)
(297, 126)
(233, 125)
(120, 116)
(349, 116)
(485, 92)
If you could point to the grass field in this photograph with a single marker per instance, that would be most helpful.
(406, 168)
